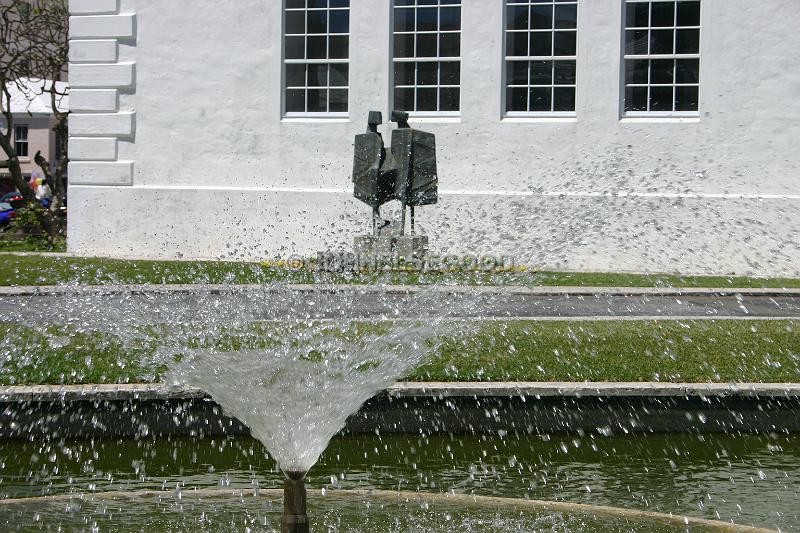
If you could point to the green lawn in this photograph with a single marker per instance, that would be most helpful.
(37, 270)
(670, 351)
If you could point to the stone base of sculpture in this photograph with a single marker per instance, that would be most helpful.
(401, 246)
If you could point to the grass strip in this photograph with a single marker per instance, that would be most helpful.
(696, 351)
(33, 270)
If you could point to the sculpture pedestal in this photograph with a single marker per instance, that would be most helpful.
(404, 247)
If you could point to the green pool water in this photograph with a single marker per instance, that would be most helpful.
(747, 479)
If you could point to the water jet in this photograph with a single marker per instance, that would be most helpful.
(295, 512)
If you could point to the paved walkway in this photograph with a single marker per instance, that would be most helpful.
(169, 303)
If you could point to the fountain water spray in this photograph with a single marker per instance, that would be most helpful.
(297, 394)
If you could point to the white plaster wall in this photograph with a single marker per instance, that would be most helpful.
(715, 194)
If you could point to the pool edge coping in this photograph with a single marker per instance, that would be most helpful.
(165, 392)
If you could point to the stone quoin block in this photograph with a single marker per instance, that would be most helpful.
(93, 7)
(93, 100)
(92, 148)
(101, 27)
(101, 75)
(101, 173)
(93, 51)
(101, 124)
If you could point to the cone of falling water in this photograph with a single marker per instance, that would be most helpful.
(295, 516)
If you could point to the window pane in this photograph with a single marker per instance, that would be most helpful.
(542, 44)
(290, 4)
(427, 44)
(427, 99)
(687, 42)
(339, 47)
(517, 44)
(564, 43)
(317, 75)
(295, 22)
(517, 99)
(317, 3)
(450, 18)
(564, 99)
(317, 47)
(687, 71)
(660, 98)
(636, 42)
(404, 19)
(686, 98)
(662, 71)
(636, 70)
(517, 73)
(295, 100)
(428, 73)
(636, 99)
(403, 45)
(661, 42)
(663, 14)
(295, 75)
(449, 99)
(540, 99)
(317, 22)
(340, 22)
(337, 101)
(295, 47)
(542, 17)
(564, 73)
(518, 18)
(637, 15)
(340, 3)
(541, 72)
(566, 16)
(449, 45)
(404, 99)
(427, 18)
(688, 13)
(317, 101)
(450, 73)
(404, 73)
(339, 74)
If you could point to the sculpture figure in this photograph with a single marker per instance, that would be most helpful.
(406, 172)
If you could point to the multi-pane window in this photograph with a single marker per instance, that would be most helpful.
(427, 56)
(662, 57)
(540, 54)
(316, 56)
(21, 140)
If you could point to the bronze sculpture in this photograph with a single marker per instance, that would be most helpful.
(406, 172)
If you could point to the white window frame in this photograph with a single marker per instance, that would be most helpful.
(319, 61)
(431, 59)
(21, 140)
(648, 56)
(552, 57)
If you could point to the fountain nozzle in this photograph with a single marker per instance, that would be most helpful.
(295, 516)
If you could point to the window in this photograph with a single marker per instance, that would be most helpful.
(427, 56)
(541, 38)
(21, 140)
(316, 57)
(662, 57)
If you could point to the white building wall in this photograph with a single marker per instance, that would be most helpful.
(216, 171)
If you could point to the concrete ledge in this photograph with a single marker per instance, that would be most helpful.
(452, 498)
(604, 409)
(389, 289)
(134, 392)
